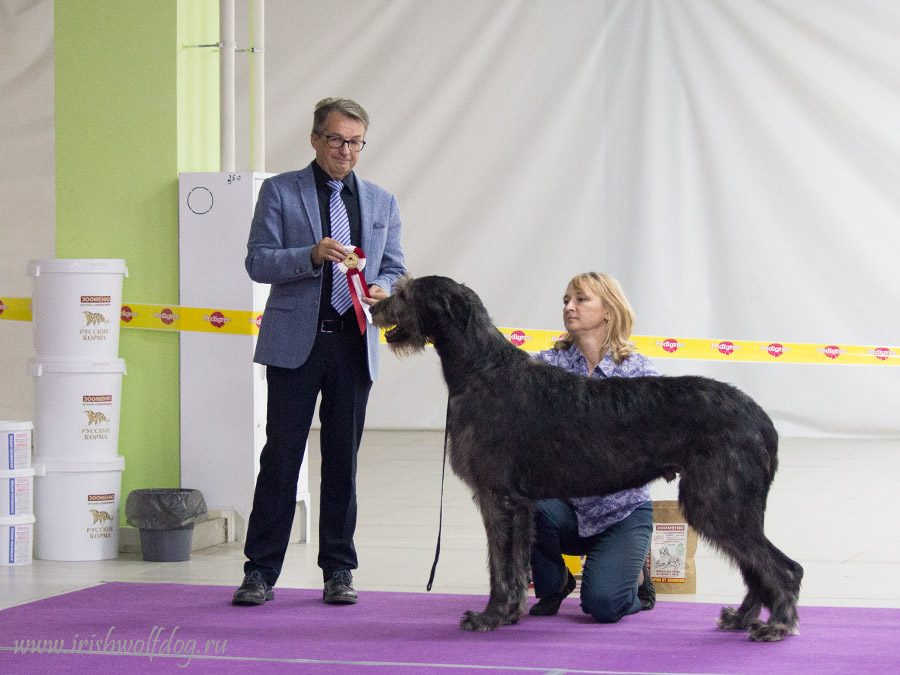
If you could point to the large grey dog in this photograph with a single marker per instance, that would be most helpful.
(519, 430)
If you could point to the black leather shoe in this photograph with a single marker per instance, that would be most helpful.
(647, 592)
(339, 589)
(253, 591)
(549, 604)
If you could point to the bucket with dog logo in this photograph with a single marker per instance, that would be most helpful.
(77, 405)
(76, 306)
(78, 508)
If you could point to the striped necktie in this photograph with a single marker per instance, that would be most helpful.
(340, 231)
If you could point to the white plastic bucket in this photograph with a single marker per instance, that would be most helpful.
(77, 505)
(15, 439)
(16, 540)
(17, 493)
(76, 407)
(76, 305)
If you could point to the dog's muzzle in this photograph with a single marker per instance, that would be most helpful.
(394, 335)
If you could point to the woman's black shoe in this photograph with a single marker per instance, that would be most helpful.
(549, 604)
(647, 592)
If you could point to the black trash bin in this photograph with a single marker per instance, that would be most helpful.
(165, 517)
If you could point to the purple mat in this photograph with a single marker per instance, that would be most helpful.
(152, 628)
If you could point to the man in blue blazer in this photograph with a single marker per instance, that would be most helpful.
(312, 344)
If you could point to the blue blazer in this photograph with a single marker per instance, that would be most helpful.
(286, 225)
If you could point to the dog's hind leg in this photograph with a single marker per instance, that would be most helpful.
(727, 507)
(508, 523)
(745, 617)
(781, 579)
(773, 581)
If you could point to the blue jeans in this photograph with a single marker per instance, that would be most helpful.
(613, 558)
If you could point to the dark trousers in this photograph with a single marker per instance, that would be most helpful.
(612, 564)
(337, 368)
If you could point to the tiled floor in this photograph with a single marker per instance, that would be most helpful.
(831, 508)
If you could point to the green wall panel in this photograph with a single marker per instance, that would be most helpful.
(133, 108)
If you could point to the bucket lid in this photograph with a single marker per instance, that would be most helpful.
(17, 473)
(43, 466)
(17, 520)
(9, 425)
(76, 266)
(37, 367)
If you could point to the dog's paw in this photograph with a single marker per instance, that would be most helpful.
(732, 619)
(479, 621)
(769, 632)
(728, 620)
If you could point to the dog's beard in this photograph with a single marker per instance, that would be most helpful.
(403, 343)
(401, 335)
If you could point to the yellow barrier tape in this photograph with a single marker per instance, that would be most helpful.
(194, 319)
(17, 309)
(242, 322)
(730, 350)
(161, 317)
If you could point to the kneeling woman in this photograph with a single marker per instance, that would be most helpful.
(611, 532)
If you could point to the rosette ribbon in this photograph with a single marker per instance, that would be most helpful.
(353, 266)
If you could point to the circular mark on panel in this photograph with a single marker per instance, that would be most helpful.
(200, 200)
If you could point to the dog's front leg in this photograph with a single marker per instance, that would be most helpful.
(508, 524)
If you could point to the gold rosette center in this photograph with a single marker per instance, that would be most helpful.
(351, 261)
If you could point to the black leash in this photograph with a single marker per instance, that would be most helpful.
(437, 550)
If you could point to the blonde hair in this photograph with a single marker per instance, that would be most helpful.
(621, 316)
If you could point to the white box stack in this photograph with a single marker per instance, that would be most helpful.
(17, 488)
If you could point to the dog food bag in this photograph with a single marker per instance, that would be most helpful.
(673, 544)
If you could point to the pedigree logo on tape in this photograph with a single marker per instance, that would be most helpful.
(518, 337)
(882, 356)
(725, 347)
(670, 345)
(775, 349)
(167, 316)
(128, 314)
(833, 352)
(217, 319)
(3, 307)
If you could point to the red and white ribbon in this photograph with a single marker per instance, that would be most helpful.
(353, 266)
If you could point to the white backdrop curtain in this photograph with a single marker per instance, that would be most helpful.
(734, 163)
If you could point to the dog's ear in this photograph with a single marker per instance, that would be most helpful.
(440, 301)
(430, 301)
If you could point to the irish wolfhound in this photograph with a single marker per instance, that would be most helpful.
(519, 430)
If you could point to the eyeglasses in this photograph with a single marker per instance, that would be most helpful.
(337, 141)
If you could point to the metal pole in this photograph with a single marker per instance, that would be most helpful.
(226, 85)
(257, 87)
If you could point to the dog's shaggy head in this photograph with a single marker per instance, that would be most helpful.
(420, 310)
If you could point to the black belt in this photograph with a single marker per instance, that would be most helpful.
(332, 326)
